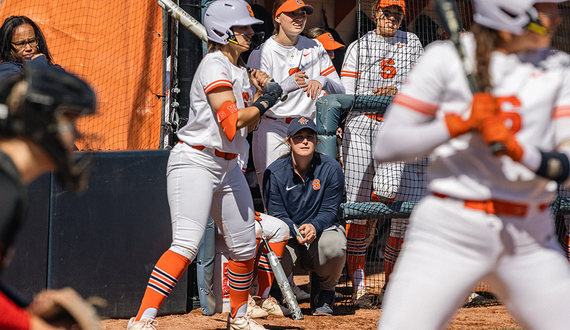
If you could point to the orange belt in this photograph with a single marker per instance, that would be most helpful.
(288, 120)
(375, 116)
(224, 155)
(498, 207)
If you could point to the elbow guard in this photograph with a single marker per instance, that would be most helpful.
(228, 117)
(554, 166)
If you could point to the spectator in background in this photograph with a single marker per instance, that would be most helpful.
(22, 40)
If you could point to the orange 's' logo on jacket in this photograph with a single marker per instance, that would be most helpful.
(316, 184)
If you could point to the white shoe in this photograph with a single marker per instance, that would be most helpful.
(361, 298)
(298, 292)
(243, 323)
(143, 324)
(272, 307)
(253, 310)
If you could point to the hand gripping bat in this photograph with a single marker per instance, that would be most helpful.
(447, 12)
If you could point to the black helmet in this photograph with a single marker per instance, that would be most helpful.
(42, 105)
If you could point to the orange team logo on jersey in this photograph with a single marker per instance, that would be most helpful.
(245, 97)
(303, 121)
(316, 184)
(250, 11)
(293, 71)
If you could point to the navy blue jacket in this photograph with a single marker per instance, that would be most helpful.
(9, 68)
(315, 200)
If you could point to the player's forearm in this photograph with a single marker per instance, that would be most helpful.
(330, 85)
(247, 116)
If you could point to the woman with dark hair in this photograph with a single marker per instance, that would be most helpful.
(22, 41)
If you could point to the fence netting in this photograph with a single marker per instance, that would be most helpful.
(379, 197)
(117, 48)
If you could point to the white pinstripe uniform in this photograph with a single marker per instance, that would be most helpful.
(201, 183)
(370, 63)
(280, 63)
(512, 249)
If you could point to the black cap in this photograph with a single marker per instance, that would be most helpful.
(300, 123)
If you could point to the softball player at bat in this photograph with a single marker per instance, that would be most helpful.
(487, 217)
(302, 68)
(203, 177)
(377, 64)
(277, 234)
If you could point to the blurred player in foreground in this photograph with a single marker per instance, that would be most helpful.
(304, 189)
(203, 176)
(488, 217)
(38, 111)
(377, 64)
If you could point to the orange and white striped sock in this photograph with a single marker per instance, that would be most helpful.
(240, 277)
(163, 279)
(393, 247)
(356, 251)
(265, 274)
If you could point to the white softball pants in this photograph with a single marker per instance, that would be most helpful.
(450, 248)
(268, 144)
(275, 229)
(200, 184)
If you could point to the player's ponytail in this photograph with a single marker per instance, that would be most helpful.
(486, 41)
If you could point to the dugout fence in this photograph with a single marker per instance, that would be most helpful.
(399, 186)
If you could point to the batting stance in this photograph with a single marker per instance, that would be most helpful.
(487, 217)
(304, 189)
(203, 177)
(377, 64)
(38, 111)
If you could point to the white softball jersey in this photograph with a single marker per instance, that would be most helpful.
(375, 61)
(203, 129)
(281, 62)
(533, 90)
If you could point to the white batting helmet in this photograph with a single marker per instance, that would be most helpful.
(221, 15)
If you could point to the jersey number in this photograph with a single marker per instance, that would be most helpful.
(512, 119)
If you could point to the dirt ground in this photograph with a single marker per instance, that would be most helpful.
(475, 318)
